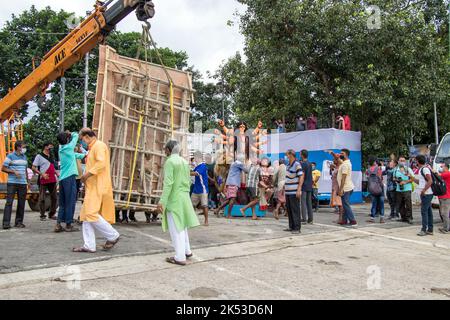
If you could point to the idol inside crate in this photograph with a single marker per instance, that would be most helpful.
(235, 212)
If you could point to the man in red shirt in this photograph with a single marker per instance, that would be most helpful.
(445, 199)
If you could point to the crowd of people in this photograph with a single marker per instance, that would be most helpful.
(288, 186)
(97, 212)
(402, 178)
(300, 123)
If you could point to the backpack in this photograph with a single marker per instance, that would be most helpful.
(438, 185)
(375, 185)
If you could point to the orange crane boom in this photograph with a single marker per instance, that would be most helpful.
(72, 49)
(61, 57)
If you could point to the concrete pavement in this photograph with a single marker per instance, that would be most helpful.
(234, 259)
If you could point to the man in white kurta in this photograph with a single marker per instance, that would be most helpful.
(175, 203)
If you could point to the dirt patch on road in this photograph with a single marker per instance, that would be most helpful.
(204, 293)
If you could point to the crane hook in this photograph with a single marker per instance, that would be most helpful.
(145, 10)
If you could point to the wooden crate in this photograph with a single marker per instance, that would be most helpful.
(127, 89)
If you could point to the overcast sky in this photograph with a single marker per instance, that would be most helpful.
(198, 27)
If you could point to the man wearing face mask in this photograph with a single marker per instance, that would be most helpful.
(404, 177)
(15, 166)
(444, 200)
(44, 166)
(346, 187)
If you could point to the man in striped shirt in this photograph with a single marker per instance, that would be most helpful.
(293, 190)
(15, 166)
(252, 188)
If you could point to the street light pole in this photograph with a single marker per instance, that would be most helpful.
(86, 88)
(436, 129)
(223, 100)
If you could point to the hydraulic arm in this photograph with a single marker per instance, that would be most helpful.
(72, 48)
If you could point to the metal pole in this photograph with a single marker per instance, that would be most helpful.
(223, 109)
(436, 129)
(62, 104)
(223, 100)
(86, 88)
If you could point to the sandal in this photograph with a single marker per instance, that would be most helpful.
(59, 228)
(189, 255)
(82, 250)
(71, 229)
(173, 261)
(110, 244)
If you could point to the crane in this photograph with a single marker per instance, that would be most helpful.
(92, 31)
(86, 36)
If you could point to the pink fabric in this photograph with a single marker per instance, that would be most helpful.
(232, 192)
(347, 123)
(311, 123)
(281, 196)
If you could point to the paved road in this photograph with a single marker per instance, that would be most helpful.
(234, 259)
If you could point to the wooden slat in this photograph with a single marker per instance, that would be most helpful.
(126, 89)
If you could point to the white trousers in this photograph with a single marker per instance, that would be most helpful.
(180, 240)
(103, 227)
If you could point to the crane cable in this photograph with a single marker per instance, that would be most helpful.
(146, 40)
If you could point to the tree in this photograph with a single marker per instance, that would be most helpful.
(130, 44)
(31, 35)
(325, 57)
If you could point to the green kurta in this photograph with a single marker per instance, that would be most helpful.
(175, 197)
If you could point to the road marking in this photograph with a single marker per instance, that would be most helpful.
(257, 281)
(384, 236)
(15, 230)
(149, 236)
(266, 231)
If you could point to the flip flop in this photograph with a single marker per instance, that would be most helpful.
(110, 244)
(173, 261)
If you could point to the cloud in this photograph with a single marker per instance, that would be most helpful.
(198, 27)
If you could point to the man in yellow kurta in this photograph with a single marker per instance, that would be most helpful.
(98, 211)
(175, 203)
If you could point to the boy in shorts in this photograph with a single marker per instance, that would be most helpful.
(200, 191)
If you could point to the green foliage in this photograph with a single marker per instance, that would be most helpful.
(130, 45)
(320, 56)
(32, 34)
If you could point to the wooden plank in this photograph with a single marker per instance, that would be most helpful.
(126, 89)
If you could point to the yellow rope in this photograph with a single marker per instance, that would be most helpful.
(141, 119)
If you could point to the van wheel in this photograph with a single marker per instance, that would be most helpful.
(34, 205)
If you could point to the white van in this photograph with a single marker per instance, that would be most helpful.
(442, 152)
(442, 155)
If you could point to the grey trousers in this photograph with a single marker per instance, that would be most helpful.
(445, 209)
(307, 209)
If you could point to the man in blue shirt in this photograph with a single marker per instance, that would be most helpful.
(232, 184)
(15, 166)
(307, 189)
(201, 190)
